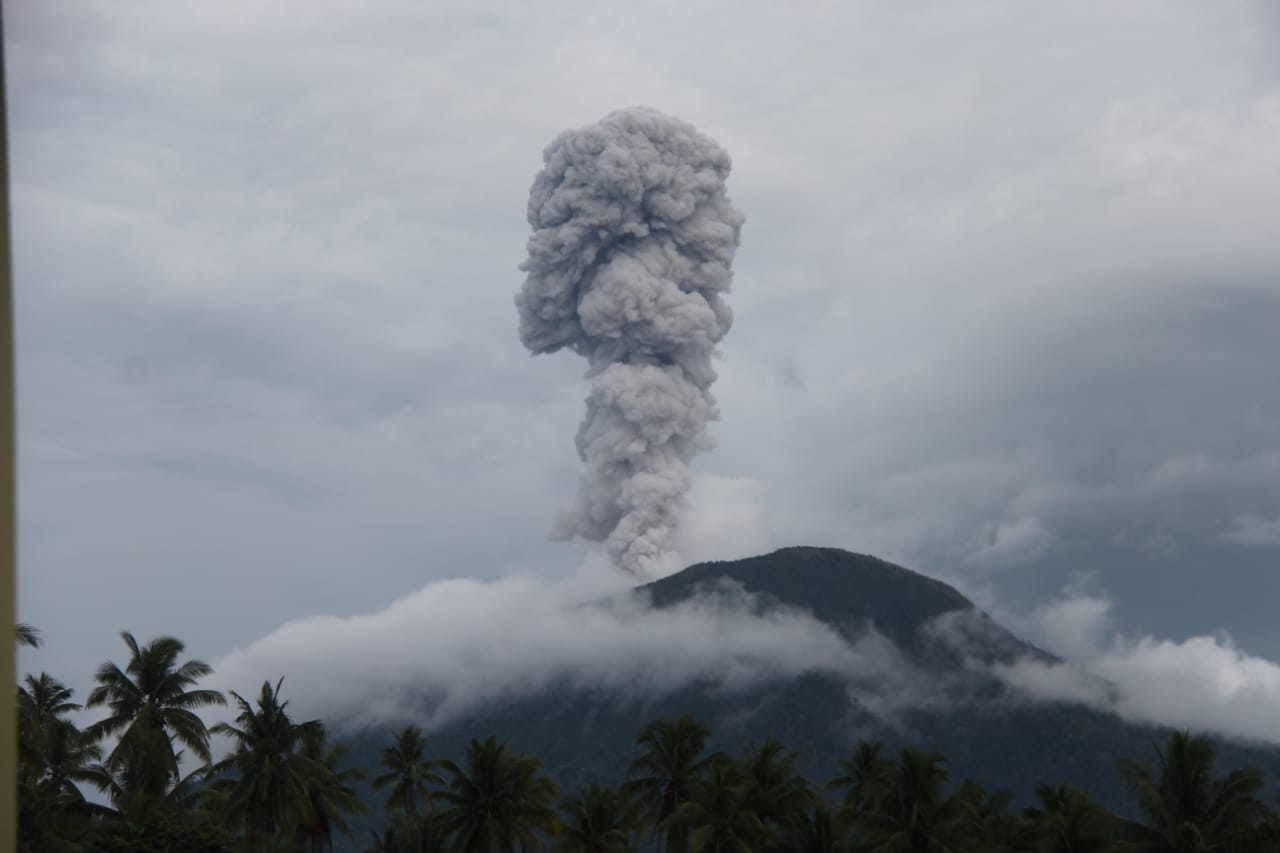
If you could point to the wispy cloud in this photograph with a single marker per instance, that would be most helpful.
(1204, 683)
(1251, 531)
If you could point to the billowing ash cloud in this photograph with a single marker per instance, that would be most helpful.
(633, 239)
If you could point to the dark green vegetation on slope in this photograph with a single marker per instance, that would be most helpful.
(839, 588)
(678, 784)
(1000, 739)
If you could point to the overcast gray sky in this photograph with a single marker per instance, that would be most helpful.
(1006, 302)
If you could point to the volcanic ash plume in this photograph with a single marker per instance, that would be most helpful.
(633, 240)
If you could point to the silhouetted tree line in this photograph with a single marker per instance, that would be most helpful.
(285, 786)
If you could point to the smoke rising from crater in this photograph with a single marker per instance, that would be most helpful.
(630, 258)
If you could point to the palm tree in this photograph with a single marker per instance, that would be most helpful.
(912, 813)
(52, 810)
(329, 791)
(151, 705)
(409, 772)
(54, 758)
(817, 831)
(46, 697)
(718, 817)
(661, 779)
(27, 635)
(775, 791)
(536, 797)
(597, 820)
(1067, 821)
(865, 777)
(141, 796)
(421, 834)
(140, 789)
(1187, 809)
(268, 789)
(991, 822)
(499, 803)
(41, 705)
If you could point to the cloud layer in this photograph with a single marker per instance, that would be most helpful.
(456, 645)
(1203, 683)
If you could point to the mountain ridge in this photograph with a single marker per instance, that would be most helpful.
(851, 592)
(1004, 741)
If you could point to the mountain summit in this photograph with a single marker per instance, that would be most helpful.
(856, 592)
(939, 645)
(836, 586)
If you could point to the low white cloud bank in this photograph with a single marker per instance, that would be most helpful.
(1204, 683)
(456, 645)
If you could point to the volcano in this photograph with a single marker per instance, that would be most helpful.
(985, 730)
